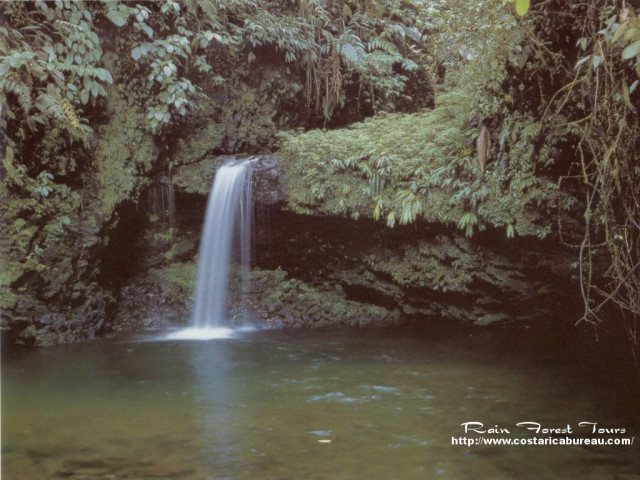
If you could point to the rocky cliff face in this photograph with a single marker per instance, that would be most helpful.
(120, 273)
(323, 270)
(424, 272)
(63, 302)
(54, 294)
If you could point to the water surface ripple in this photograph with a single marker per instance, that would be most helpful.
(302, 405)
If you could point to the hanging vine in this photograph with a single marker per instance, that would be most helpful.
(599, 108)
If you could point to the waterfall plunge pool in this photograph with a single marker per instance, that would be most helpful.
(278, 404)
(213, 333)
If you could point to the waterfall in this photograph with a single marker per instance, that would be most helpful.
(162, 205)
(228, 218)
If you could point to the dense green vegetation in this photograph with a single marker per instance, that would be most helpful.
(514, 116)
(535, 122)
(422, 166)
(98, 97)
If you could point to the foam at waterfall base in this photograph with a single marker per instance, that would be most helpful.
(201, 334)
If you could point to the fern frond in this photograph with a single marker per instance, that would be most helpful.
(67, 27)
(382, 44)
(12, 83)
(351, 48)
(210, 9)
(70, 113)
(190, 7)
(483, 144)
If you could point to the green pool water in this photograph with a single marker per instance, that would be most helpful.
(277, 404)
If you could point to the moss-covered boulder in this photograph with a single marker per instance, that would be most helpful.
(157, 298)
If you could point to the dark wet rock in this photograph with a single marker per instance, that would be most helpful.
(329, 271)
(269, 177)
(149, 301)
(63, 309)
(275, 299)
(422, 271)
(163, 297)
(269, 180)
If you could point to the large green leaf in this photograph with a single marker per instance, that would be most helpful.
(522, 7)
(119, 15)
(631, 51)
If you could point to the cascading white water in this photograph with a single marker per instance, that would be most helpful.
(228, 218)
(228, 211)
(162, 204)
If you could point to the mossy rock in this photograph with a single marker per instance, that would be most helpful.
(29, 334)
(299, 304)
(196, 177)
(125, 153)
(175, 278)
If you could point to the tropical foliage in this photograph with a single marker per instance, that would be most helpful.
(536, 122)
(602, 101)
(424, 166)
(509, 115)
(96, 97)
(403, 168)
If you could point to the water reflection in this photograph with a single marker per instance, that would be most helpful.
(217, 394)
